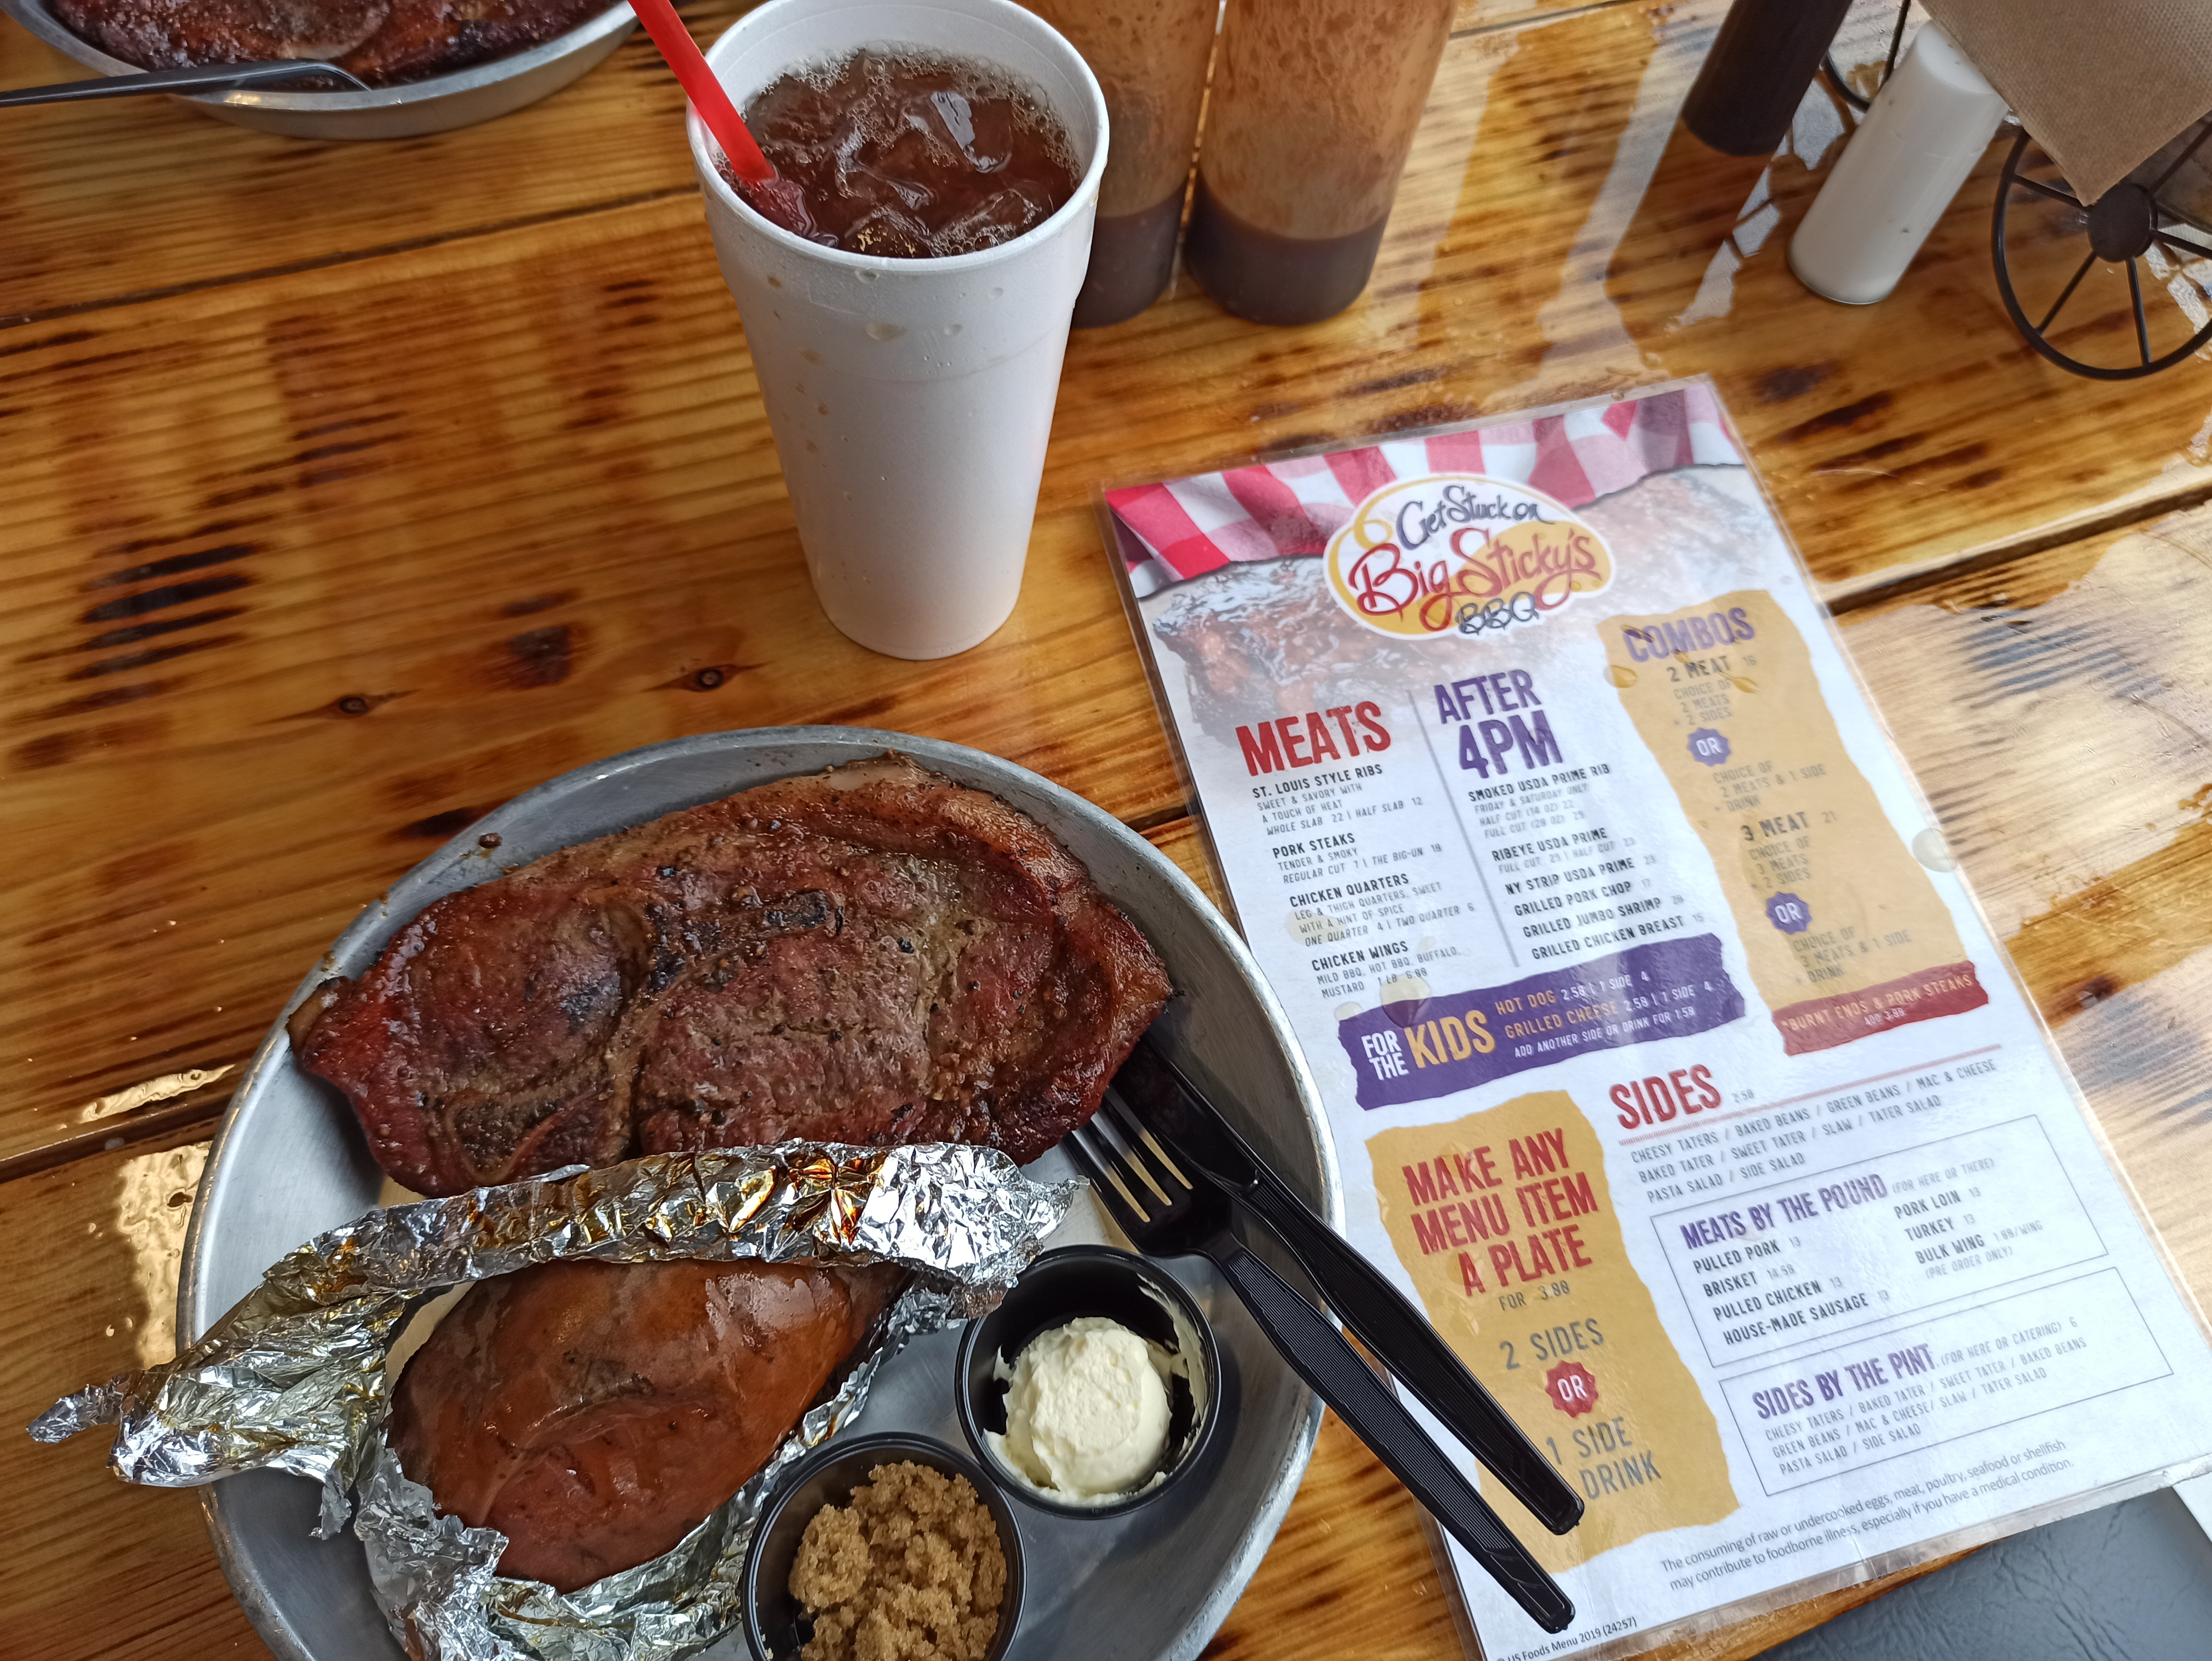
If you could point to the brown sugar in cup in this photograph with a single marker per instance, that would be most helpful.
(870, 1541)
(910, 1564)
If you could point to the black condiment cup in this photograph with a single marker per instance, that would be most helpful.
(1091, 1280)
(775, 1625)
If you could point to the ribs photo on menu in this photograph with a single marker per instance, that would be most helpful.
(1701, 1112)
(1328, 714)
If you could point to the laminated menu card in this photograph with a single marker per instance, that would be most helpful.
(1672, 1068)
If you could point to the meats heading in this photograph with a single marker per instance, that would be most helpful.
(874, 954)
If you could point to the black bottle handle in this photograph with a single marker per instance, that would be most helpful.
(1756, 72)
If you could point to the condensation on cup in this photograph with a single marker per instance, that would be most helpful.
(910, 399)
(1313, 111)
(1150, 56)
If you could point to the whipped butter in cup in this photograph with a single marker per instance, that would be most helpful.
(1093, 1386)
(1087, 1410)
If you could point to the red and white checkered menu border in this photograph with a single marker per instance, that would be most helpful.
(1172, 532)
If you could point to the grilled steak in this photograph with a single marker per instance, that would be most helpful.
(874, 954)
(382, 41)
(594, 1413)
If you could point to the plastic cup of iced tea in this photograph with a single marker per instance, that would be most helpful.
(910, 398)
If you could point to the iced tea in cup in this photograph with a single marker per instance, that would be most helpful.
(910, 398)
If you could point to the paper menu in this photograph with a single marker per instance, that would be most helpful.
(1671, 1069)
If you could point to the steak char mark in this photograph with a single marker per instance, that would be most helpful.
(874, 954)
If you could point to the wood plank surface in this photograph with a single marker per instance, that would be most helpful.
(1557, 234)
(540, 544)
(98, 1567)
(2095, 866)
(502, 587)
(2057, 707)
(212, 203)
(1471, 15)
(358, 488)
(2107, 624)
(2058, 711)
(93, 1567)
(152, 1588)
(205, 202)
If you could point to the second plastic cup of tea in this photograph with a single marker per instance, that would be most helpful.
(910, 398)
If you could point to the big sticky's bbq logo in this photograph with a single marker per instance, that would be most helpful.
(1460, 554)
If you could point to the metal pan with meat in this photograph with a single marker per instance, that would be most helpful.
(873, 954)
(383, 42)
(433, 65)
(709, 945)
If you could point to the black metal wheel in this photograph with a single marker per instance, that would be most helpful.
(2134, 223)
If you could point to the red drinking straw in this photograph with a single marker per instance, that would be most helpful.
(705, 92)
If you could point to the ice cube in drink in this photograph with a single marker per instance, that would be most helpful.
(907, 154)
(911, 399)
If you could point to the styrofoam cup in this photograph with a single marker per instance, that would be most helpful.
(910, 398)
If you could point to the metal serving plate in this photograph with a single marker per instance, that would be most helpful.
(438, 105)
(289, 1161)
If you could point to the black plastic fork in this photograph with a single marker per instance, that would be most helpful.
(1167, 1215)
(1192, 1133)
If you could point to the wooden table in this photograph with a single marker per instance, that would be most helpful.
(349, 491)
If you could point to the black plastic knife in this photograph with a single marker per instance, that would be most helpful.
(1379, 1315)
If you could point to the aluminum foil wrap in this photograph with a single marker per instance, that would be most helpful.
(294, 1379)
